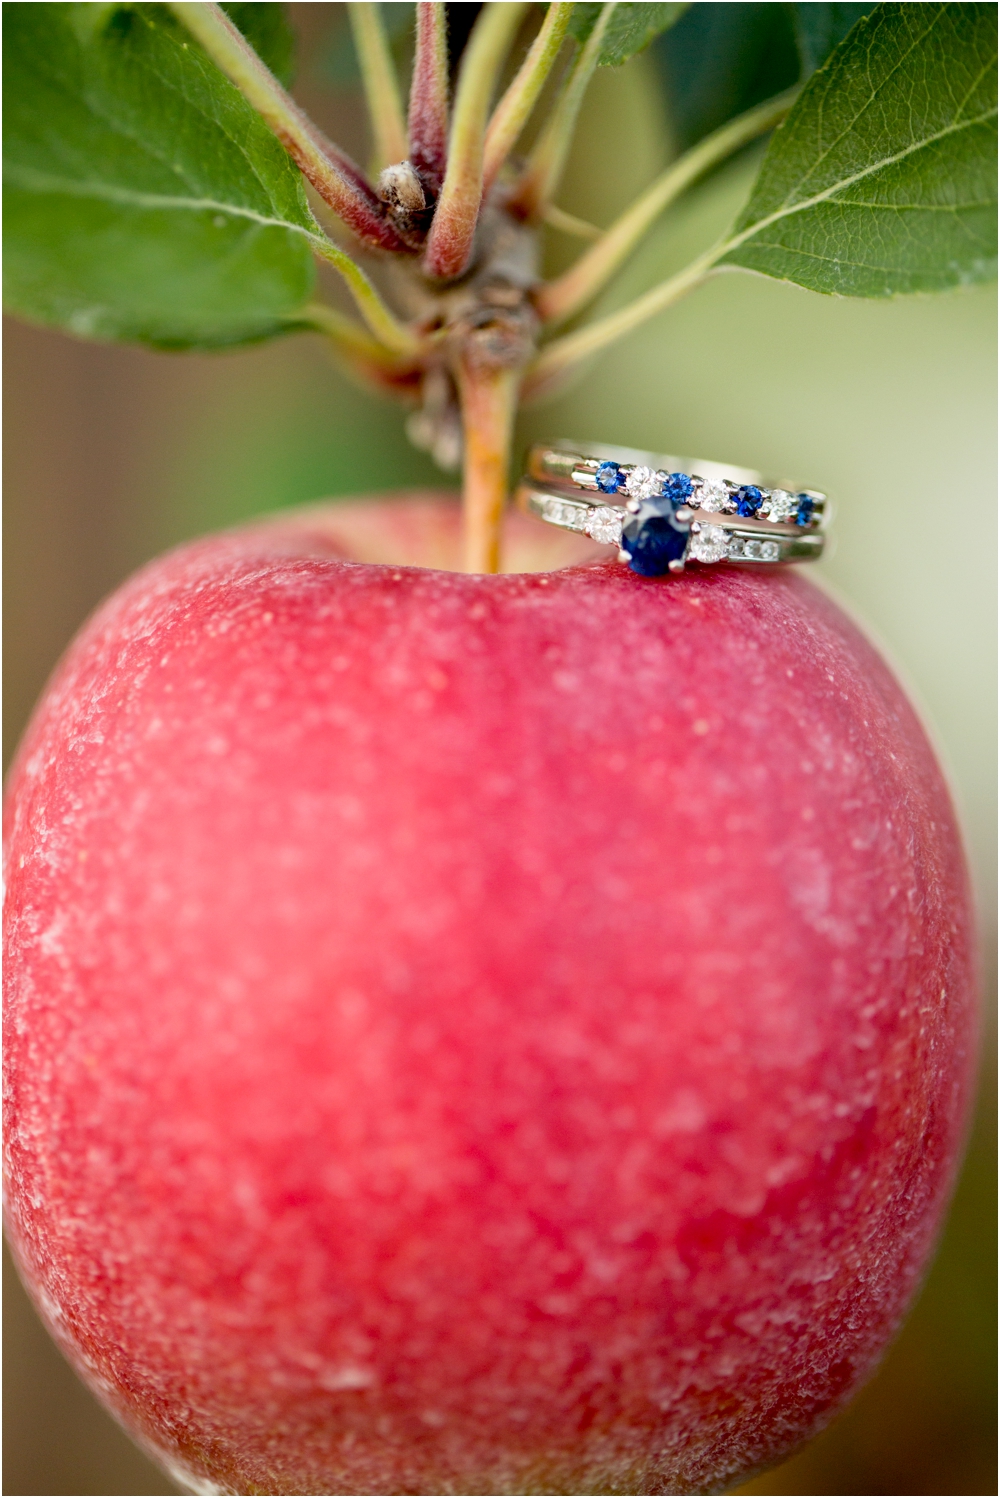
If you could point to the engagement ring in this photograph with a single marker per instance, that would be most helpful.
(672, 510)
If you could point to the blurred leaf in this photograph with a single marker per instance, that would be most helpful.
(721, 59)
(145, 200)
(883, 178)
(820, 27)
(265, 26)
(340, 63)
(399, 19)
(631, 28)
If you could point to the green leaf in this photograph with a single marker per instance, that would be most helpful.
(883, 178)
(820, 27)
(266, 28)
(144, 199)
(631, 28)
(722, 59)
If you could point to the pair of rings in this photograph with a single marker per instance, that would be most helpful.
(671, 510)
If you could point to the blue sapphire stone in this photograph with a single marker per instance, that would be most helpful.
(679, 487)
(748, 500)
(654, 537)
(608, 478)
(804, 513)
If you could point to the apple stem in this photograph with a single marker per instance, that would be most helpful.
(488, 399)
(341, 184)
(450, 241)
(396, 337)
(378, 74)
(560, 299)
(364, 356)
(469, 349)
(428, 113)
(541, 177)
(564, 354)
(513, 110)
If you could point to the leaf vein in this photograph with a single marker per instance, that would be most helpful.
(43, 182)
(875, 89)
(830, 192)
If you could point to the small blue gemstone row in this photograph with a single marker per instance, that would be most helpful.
(676, 486)
(679, 487)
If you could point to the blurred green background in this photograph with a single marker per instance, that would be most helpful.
(113, 454)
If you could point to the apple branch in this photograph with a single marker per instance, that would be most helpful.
(557, 358)
(385, 108)
(560, 299)
(384, 324)
(361, 355)
(568, 223)
(428, 117)
(340, 183)
(511, 114)
(449, 244)
(489, 402)
(352, 341)
(540, 180)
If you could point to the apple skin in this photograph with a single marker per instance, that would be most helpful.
(477, 1034)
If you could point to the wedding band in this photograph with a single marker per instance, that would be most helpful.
(718, 488)
(653, 542)
(664, 519)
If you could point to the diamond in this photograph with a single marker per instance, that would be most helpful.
(751, 550)
(712, 497)
(604, 524)
(709, 543)
(735, 548)
(782, 505)
(608, 478)
(644, 483)
(769, 551)
(568, 514)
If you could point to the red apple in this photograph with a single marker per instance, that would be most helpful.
(476, 1034)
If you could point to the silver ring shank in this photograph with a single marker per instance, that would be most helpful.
(736, 539)
(559, 460)
(575, 466)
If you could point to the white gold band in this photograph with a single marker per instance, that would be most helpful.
(723, 538)
(699, 483)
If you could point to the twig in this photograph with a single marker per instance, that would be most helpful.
(560, 299)
(489, 402)
(387, 328)
(547, 161)
(428, 119)
(449, 244)
(511, 114)
(568, 223)
(558, 357)
(385, 108)
(360, 354)
(350, 337)
(335, 177)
